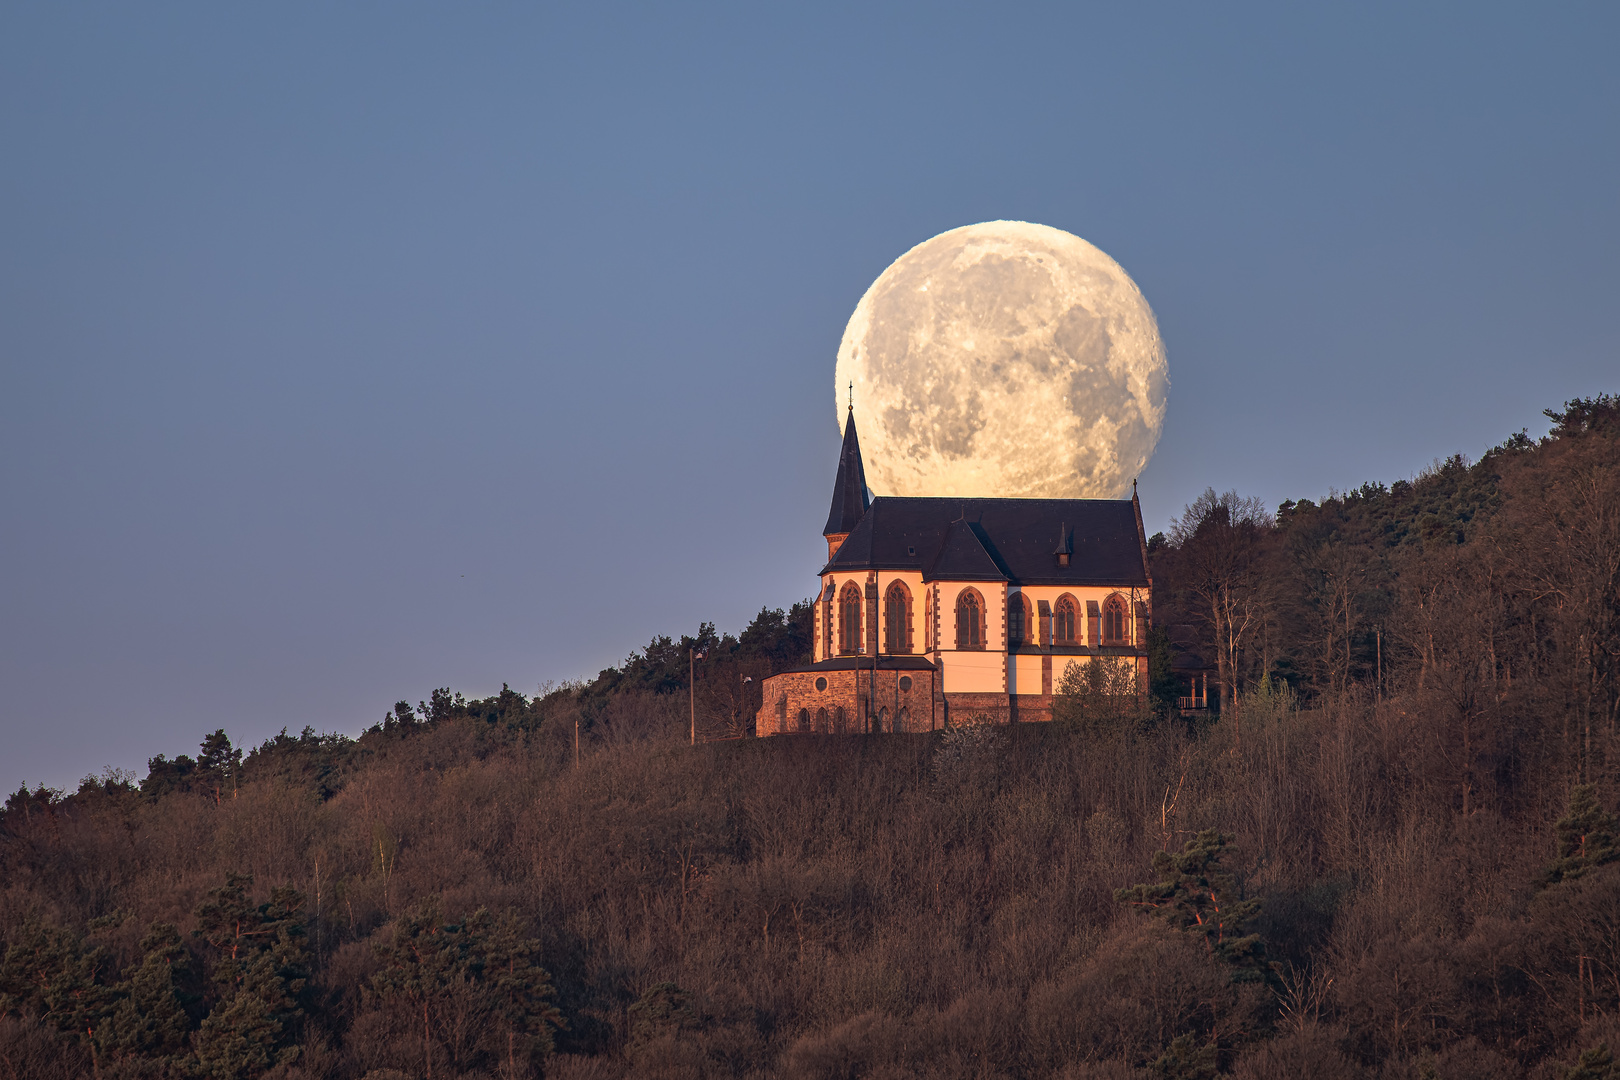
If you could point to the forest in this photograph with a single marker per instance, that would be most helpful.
(1391, 851)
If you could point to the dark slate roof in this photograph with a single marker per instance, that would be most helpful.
(849, 501)
(963, 556)
(999, 540)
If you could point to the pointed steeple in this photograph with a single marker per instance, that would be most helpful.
(849, 501)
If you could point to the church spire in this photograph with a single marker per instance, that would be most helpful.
(849, 501)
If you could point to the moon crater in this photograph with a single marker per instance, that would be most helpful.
(1005, 359)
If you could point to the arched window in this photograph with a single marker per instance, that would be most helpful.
(781, 715)
(900, 719)
(897, 619)
(840, 725)
(1114, 621)
(969, 621)
(1064, 616)
(821, 721)
(804, 720)
(882, 721)
(849, 619)
(1019, 621)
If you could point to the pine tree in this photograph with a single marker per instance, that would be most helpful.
(481, 968)
(55, 975)
(262, 971)
(219, 764)
(519, 990)
(1594, 1064)
(149, 1026)
(662, 1011)
(1184, 1059)
(1195, 893)
(1586, 837)
(253, 1026)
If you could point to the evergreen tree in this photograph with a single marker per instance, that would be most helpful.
(519, 991)
(262, 971)
(662, 1011)
(1184, 1059)
(470, 990)
(1586, 837)
(53, 974)
(219, 764)
(1594, 1064)
(1164, 687)
(255, 1024)
(1195, 893)
(147, 1030)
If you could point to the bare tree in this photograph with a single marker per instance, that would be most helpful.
(1221, 542)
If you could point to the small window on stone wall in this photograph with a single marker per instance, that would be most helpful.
(821, 684)
(905, 682)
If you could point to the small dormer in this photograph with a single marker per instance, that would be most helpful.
(1065, 545)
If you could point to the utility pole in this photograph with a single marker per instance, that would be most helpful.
(576, 742)
(691, 685)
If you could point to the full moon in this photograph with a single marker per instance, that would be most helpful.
(1004, 359)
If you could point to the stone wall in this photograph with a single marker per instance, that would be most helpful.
(926, 707)
(793, 692)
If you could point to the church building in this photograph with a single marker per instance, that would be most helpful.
(937, 610)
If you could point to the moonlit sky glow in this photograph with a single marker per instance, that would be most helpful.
(348, 351)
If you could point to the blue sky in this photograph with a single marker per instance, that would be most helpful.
(346, 352)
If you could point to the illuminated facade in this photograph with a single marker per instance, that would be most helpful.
(939, 609)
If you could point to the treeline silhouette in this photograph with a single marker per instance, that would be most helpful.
(1390, 853)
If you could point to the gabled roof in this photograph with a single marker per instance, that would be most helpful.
(1019, 538)
(962, 556)
(849, 501)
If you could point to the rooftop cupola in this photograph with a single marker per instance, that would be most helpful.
(1065, 544)
(849, 501)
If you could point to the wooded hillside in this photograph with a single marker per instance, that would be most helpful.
(1392, 854)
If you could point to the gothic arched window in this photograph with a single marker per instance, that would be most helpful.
(1114, 621)
(969, 620)
(897, 619)
(804, 720)
(1064, 617)
(849, 619)
(821, 721)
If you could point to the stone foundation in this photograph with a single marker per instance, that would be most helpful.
(793, 703)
